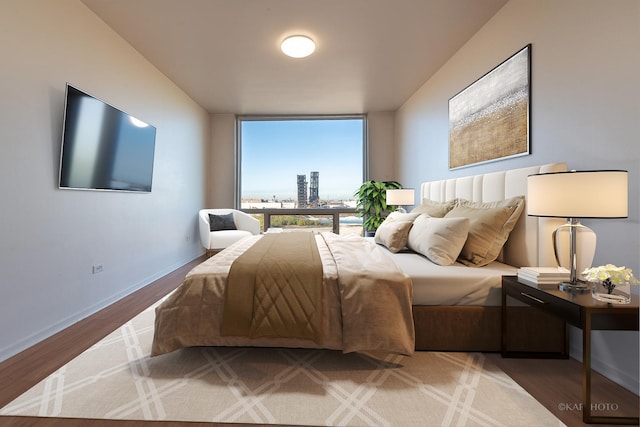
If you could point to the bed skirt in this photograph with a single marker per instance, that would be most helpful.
(475, 328)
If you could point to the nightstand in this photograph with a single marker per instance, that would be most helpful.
(581, 311)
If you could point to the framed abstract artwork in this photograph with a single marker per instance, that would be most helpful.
(489, 120)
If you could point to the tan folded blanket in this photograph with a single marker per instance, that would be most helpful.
(275, 289)
(375, 297)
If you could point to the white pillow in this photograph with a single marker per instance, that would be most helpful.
(439, 239)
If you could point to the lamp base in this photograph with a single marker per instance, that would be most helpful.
(574, 287)
(585, 246)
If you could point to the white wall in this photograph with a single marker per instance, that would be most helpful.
(222, 160)
(381, 150)
(585, 111)
(51, 237)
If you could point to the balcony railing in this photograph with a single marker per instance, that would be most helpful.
(334, 213)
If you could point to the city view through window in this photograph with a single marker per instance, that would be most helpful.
(302, 163)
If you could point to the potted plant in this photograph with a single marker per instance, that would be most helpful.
(371, 200)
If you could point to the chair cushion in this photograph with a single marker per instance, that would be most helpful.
(221, 222)
(224, 238)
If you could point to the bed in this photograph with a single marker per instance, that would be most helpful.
(392, 299)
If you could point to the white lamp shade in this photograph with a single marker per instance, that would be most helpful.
(581, 194)
(401, 197)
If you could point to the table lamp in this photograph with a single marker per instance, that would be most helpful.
(575, 195)
(400, 197)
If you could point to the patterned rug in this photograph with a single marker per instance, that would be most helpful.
(116, 379)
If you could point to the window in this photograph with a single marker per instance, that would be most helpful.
(295, 172)
(300, 162)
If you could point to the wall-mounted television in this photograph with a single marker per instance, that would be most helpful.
(104, 148)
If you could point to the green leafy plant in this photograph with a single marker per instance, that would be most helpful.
(372, 202)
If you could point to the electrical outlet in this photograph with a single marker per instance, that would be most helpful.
(97, 268)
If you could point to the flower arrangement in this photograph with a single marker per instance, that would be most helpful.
(610, 276)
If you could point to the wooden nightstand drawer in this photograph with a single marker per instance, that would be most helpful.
(545, 299)
(529, 301)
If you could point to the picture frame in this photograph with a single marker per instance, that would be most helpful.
(490, 119)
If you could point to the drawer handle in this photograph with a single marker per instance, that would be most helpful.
(532, 297)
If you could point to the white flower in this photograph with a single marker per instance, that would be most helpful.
(617, 275)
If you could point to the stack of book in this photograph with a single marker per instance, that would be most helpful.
(543, 275)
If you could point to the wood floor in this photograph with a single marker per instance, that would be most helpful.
(554, 383)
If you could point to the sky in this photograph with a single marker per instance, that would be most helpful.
(275, 152)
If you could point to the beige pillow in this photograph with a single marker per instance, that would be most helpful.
(433, 208)
(490, 225)
(439, 239)
(402, 216)
(394, 231)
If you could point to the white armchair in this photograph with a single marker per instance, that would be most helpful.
(214, 241)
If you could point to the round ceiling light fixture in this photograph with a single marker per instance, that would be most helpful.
(298, 46)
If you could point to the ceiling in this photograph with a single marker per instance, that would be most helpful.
(371, 55)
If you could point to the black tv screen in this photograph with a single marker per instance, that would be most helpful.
(104, 148)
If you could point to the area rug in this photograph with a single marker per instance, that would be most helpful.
(116, 379)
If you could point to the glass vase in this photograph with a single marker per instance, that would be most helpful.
(616, 294)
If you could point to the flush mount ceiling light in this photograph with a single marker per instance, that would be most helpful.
(297, 46)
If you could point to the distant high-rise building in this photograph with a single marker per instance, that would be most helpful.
(314, 197)
(302, 191)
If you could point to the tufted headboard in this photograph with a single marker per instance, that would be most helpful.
(530, 242)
